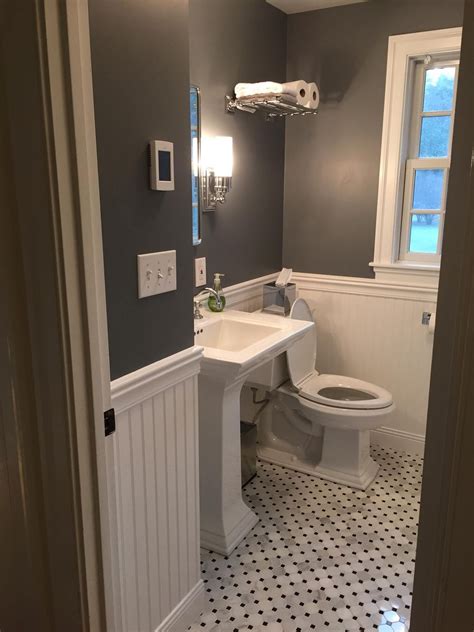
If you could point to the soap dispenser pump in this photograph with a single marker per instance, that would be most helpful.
(213, 304)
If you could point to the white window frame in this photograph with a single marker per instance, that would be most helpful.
(415, 163)
(403, 53)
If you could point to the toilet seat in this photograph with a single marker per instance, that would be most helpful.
(339, 391)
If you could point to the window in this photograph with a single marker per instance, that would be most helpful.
(422, 72)
(427, 166)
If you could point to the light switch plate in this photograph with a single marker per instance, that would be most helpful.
(200, 271)
(156, 273)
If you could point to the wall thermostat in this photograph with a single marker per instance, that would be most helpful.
(161, 165)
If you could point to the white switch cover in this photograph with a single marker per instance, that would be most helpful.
(156, 273)
(200, 271)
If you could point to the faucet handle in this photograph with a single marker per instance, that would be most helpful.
(197, 311)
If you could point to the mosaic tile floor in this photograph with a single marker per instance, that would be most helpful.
(323, 557)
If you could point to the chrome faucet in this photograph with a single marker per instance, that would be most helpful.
(206, 290)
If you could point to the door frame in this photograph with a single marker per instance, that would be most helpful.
(49, 95)
(66, 29)
(76, 78)
(445, 551)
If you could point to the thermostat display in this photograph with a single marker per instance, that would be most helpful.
(161, 165)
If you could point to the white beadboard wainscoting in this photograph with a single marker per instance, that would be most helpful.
(153, 481)
(373, 331)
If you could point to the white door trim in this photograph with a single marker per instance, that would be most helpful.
(72, 140)
(89, 198)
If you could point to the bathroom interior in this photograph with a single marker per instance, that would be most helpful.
(292, 156)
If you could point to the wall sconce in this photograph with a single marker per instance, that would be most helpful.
(216, 170)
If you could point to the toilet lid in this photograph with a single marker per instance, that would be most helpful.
(301, 356)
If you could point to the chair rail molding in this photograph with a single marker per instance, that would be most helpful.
(132, 389)
(364, 287)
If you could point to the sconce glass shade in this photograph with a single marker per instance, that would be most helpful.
(216, 170)
(217, 156)
(223, 156)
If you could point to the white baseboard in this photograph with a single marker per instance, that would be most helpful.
(186, 612)
(398, 440)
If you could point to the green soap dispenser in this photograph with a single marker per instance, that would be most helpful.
(212, 302)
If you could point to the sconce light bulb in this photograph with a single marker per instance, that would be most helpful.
(223, 156)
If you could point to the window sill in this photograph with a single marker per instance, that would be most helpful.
(404, 273)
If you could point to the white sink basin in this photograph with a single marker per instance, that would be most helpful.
(233, 335)
(234, 345)
(236, 342)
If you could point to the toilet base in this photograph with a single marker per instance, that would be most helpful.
(345, 459)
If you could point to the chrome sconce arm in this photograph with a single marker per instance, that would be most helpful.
(214, 189)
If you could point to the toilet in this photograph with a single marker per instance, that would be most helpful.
(320, 424)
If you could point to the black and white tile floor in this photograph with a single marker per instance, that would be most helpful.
(323, 557)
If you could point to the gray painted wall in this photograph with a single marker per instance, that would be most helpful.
(140, 63)
(232, 41)
(141, 73)
(332, 160)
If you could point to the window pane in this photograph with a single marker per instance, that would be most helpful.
(439, 89)
(424, 231)
(428, 189)
(434, 139)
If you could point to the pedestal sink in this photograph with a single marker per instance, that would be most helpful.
(235, 343)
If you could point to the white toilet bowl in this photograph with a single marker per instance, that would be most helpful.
(342, 409)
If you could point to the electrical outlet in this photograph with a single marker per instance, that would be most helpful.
(200, 270)
(156, 273)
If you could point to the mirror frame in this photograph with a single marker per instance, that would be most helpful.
(196, 90)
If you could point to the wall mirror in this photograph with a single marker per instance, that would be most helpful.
(195, 109)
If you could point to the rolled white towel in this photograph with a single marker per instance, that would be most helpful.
(257, 89)
(295, 91)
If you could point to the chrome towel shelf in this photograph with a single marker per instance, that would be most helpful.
(271, 106)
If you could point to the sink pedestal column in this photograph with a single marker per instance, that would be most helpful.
(225, 518)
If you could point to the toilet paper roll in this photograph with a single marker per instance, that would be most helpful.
(313, 96)
(298, 90)
(432, 324)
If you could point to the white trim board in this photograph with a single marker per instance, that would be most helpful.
(186, 612)
(333, 283)
(365, 287)
(136, 387)
(398, 440)
(241, 291)
(403, 273)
